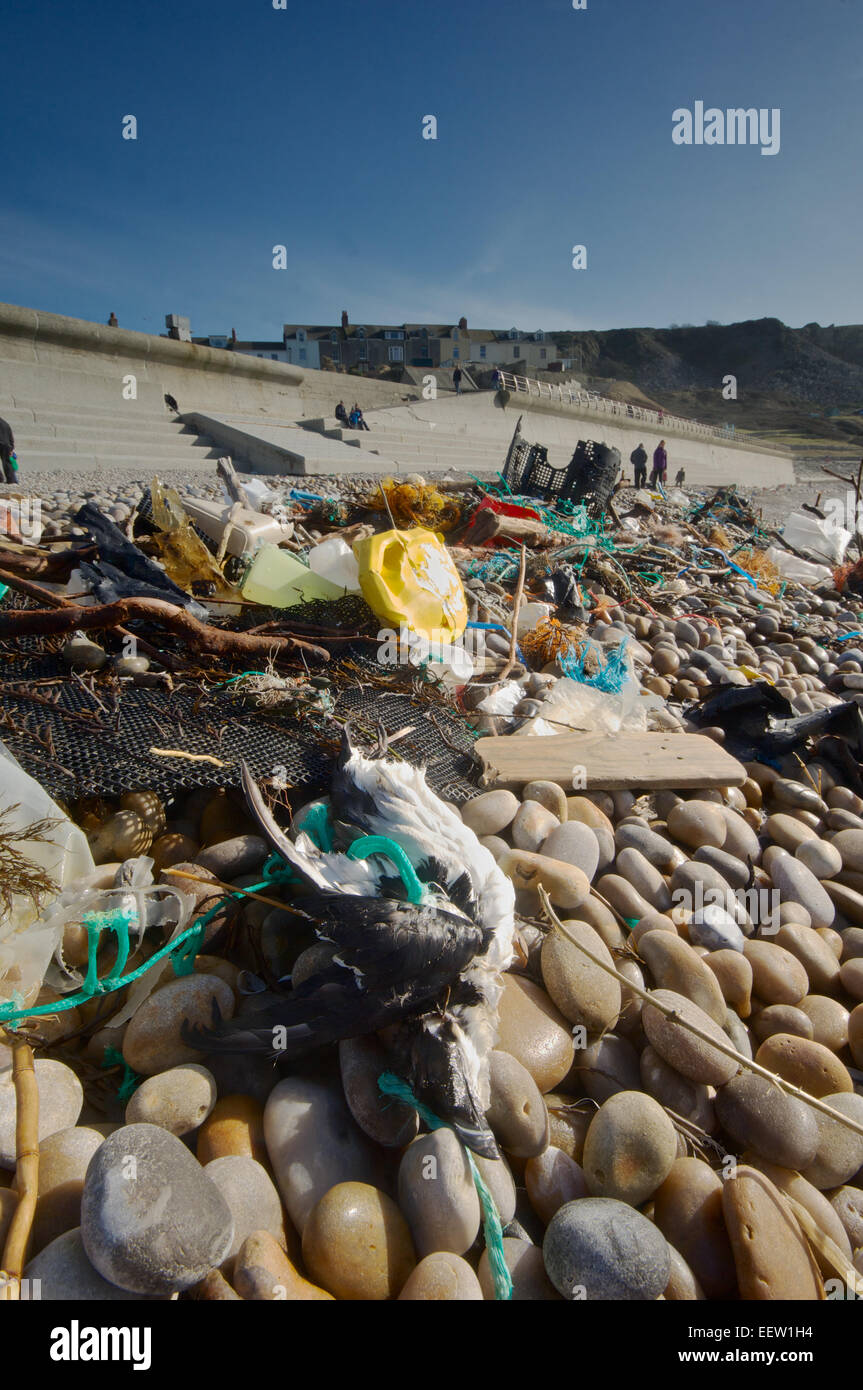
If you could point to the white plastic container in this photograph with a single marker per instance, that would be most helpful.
(26, 942)
(333, 559)
(248, 530)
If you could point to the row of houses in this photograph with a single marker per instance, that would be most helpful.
(368, 347)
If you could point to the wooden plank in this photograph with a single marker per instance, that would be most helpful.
(611, 762)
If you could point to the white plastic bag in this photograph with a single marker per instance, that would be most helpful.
(27, 939)
(822, 539)
(790, 567)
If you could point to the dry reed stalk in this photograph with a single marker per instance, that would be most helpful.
(26, 1170)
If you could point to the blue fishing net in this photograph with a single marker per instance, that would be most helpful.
(612, 674)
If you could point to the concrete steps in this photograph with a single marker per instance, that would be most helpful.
(71, 437)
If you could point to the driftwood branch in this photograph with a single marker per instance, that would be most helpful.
(26, 1171)
(200, 637)
(55, 566)
(516, 606)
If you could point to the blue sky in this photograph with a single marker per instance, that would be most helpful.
(302, 126)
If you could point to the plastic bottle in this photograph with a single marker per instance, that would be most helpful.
(333, 559)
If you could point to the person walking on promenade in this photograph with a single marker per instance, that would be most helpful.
(456, 380)
(660, 464)
(638, 459)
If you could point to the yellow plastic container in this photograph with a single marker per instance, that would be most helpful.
(408, 579)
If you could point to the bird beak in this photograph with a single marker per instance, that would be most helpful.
(479, 1141)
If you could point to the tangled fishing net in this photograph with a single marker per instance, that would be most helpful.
(413, 505)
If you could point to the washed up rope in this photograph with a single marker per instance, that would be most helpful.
(182, 951)
(613, 673)
(390, 1085)
(130, 1079)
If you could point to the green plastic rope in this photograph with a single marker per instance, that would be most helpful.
(390, 1085)
(316, 824)
(182, 950)
(382, 844)
(130, 1080)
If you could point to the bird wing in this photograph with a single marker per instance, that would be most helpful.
(391, 960)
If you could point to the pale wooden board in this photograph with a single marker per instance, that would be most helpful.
(613, 762)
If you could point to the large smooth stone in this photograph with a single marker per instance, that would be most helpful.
(251, 1195)
(63, 1160)
(829, 1020)
(437, 1194)
(357, 1244)
(263, 1273)
(630, 1147)
(758, 1115)
(682, 1284)
(516, 1115)
(782, 1018)
(606, 1066)
(178, 1100)
(383, 1119)
(573, 843)
(683, 1050)
(151, 1219)
(849, 844)
(645, 879)
(61, 1097)
(820, 857)
(583, 992)
(847, 1203)
(655, 848)
(777, 976)
(533, 1031)
(599, 1248)
(734, 974)
(732, 870)
(787, 831)
(797, 884)
(491, 812)
(313, 1143)
(65, 1275)
(851, 977)
(442, 1278)
(697, 823)
(688, 1211)
(772, 1257)
(235, 1125)
(690, 1099)
(675, 966)
(549, 795)
(552, 1179)
(840, 1150)
(813, 953)
(532, 824)
(796, 1186)
(152, 1042)
(530, 1283)
(805, 1064)
(715, 929)
(855, 1034)
(242, 854)
(567, 886)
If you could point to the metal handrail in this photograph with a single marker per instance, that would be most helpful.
(590, 400)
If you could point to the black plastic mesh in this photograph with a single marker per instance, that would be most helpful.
(74, 748)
